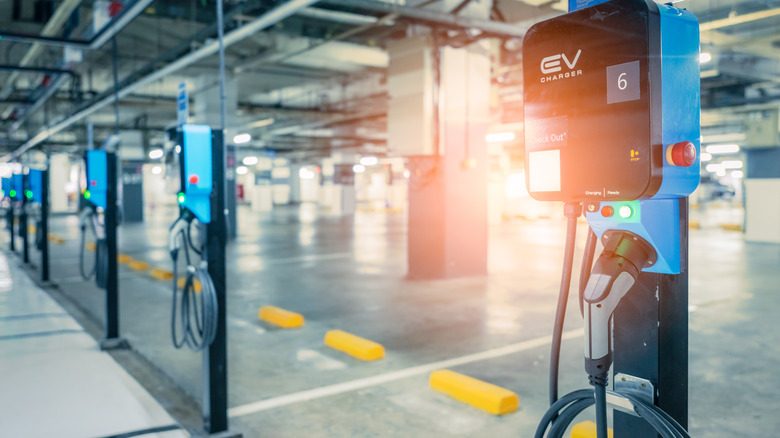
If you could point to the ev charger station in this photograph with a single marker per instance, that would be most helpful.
(198, 314)
(100, 215)
(611, 119)
(8, 201)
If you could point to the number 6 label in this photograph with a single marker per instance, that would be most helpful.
(623, 82)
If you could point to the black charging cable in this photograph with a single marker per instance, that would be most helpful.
(87, 220)
(572, 211)
(194, 316)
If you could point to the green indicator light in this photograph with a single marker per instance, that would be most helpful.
(625, 212)
(28, 194)
(12, 193)
(181, 198)
(87, 194)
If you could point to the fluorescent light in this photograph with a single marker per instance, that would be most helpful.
(722, 149)
(737, 174)
(496, 137)
(705, 157)
(704, 57)
(155, 154)
(369, 161)
(358, 168)
(305, 173)
(156, 170)
(732, 164)
(242, 138)
(713, 167)
(241, 170)
(722, 138)
(721, 172)
(250, 161)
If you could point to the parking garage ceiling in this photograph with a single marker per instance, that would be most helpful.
(314, 81)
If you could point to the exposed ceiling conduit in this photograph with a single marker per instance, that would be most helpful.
(52, 27)
(270, 18)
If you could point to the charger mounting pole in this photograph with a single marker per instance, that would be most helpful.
(112, 340)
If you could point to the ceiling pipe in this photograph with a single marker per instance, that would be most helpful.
(52, 27)
(739, 19)
(269, 18)
(487, 26)
(106, 33)
(337, 16)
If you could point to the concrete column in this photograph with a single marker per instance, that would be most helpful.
(58, 180)
(448, 192)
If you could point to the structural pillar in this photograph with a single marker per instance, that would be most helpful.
(448, 190)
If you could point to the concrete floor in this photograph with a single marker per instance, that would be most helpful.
(348, 273)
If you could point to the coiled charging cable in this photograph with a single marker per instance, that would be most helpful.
(194, 315)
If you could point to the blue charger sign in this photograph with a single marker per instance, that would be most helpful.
(6, 187)
(197, 179)
(97, 178)
(35, 186)
(17, 187)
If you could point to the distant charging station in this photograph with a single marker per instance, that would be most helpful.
(97, 178)
(196, 174)
(611, 116)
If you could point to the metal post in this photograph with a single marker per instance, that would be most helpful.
(112, 339)
(651, 340)
(10, 219)
(23, 220)
(45, 224)
(215, 390)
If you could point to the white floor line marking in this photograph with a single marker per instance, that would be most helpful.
(353, 385)
(308, 258)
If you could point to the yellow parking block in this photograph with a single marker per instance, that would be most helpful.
(161, 274)
(732, 227)
(90, 246)
(586, 429)
(123, 258)
(56, 239)
(138, 265)
(354, 345)
(488, 397)
(282, 318)
(195, 283)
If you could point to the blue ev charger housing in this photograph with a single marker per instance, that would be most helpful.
(612, 117)
(196, 171)
(35, 186)
(97, 177)
(6, 187)
(17, 187)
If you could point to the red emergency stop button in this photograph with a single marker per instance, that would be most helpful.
(194, 179)
(681, 154)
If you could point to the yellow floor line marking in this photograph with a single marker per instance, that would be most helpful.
(354, 385)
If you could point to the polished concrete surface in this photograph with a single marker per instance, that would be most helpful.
(349, 273)
(55, 380)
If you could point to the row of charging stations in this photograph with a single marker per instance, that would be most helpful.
(611, 116)
(26, 194)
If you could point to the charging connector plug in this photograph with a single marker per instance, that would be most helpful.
(616, 271)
